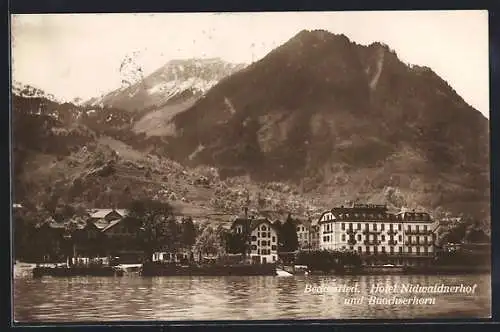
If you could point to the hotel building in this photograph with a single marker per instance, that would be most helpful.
(381, 237)
(261, 238)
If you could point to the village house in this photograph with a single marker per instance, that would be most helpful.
(107, 215)
(404, 238)
(50, 241)
(89, 241)
(307, 234)
(260, 238)
(123, 240)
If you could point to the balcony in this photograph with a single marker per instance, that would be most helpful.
(419, 232)
(400, 255)
(372, 242)
(392, 232)
(392, 242)
(350, 231)
(351, 242)
(367, 231)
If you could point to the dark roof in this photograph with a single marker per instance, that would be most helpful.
(112, 224)
(413, 216)
(251, 223)
(377, 214)
(258, 221)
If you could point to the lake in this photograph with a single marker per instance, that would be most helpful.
(135, 298)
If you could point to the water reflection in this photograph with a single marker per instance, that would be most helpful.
(231, 298)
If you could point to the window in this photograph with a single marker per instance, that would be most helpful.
(350, 225)
(400, 238)
(328, 238)
(409, 228)
(368, 249)
(383, 238)
(366, 226)
(374, 226)
(268, 234)
(425, 228)
(351, 248)
(263, 227)
(400, 250)
(274, 258)
(375, 249)
(273, 247)
(359, 226)
(274, 239)
(418, 228)
(383, 250)
(254, 247)
(258, 251)
(359, 237)
(298, 229)
(343, 237)
(399, 227)
(382, 227)
(418, 250)
(426, 250)
(258, 242)
(254, 238)
(391, 250)
(359, 249)
(343, 226)
(264, 234)
(258, 234)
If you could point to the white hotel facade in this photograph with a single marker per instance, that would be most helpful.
(404, 238)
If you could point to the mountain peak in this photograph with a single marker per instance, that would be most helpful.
(178, 80)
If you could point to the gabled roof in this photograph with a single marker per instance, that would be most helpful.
(112, 224)
(102, 213)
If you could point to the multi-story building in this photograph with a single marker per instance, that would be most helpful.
(303, 233)
(403, 238)
(307, 234)
(260, 236)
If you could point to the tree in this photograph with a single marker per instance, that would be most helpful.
(236, 243)
(289, 235)
(188, 232)
(277, 225)
(211, 241)
(158, 227)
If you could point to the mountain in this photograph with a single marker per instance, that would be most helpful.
(178, 80)
(67, 155)
(317, 121)
(29, 91)
(345, 120)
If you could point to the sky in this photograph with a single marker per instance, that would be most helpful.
(79, 55)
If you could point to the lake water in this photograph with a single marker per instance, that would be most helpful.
(135, 298)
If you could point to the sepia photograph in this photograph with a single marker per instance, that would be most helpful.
(236, 166)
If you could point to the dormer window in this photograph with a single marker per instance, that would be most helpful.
(263, 227)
